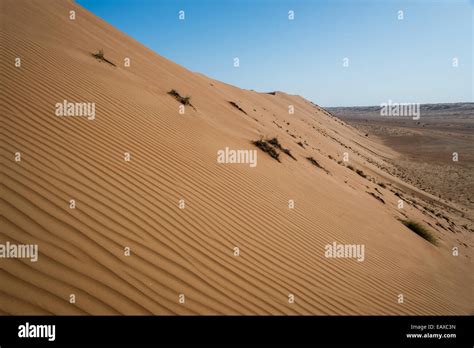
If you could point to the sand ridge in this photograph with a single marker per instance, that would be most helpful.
(173, 159)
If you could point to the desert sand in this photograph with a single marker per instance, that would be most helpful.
(138, 204)
(426, 147)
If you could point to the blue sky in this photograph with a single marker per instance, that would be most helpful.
(409, 60)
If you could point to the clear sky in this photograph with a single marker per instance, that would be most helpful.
(408, 60)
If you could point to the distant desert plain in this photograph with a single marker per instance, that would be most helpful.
(150, 189)
(425, 146)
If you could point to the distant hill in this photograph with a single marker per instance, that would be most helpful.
(429, 110)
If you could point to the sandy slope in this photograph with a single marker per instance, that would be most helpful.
(135, 204)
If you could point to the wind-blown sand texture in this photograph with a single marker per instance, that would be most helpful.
(190, 251)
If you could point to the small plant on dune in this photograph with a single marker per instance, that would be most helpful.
(381, 184)
(300, 144)
(237, 107)
(419, 230)
(186, 100)
(376, 197)
(316, 163)
(361, 173)
(266, 147)
(350, 167)
(183, 100)
(100, 56)
(287, 151)
(274, 141)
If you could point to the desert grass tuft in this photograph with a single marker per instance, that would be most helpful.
(183, 100)
(101, 56)
(361, 173)
(274, 141)
(237, 107)
(420, 230)
(316, 163)
(266, 147)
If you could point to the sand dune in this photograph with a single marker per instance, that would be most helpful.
(190, 251)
